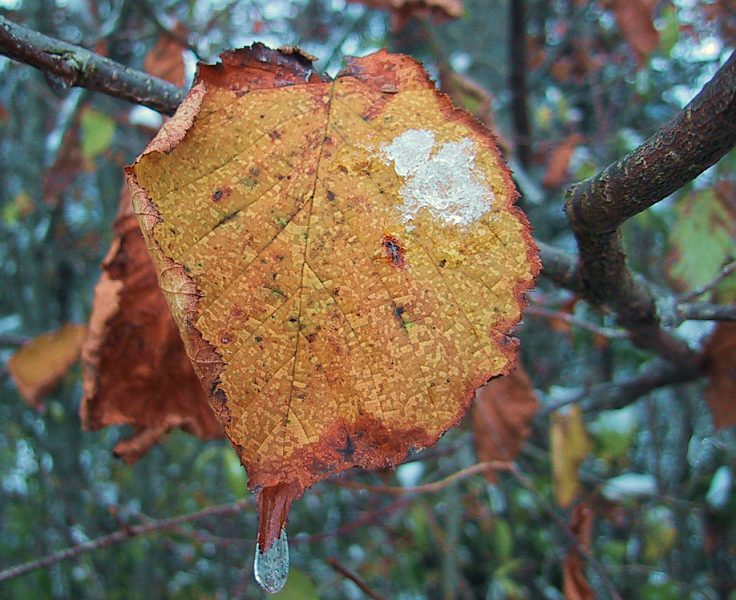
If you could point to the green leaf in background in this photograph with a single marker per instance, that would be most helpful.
(702, 240)
(614, 432)
(97, 132)
(298, 587)
(660, 533)
(19, 207)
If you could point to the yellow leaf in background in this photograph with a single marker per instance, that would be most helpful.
(570, 445)
(343, 259)
(38, 367)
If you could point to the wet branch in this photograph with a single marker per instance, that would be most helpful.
(76, 66)
(696, 138)
(121, 535)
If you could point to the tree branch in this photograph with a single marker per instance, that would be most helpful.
(120, 535)
(692, 141)
(77, 66)
(517, 81)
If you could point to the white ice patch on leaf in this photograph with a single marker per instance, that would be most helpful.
(443, 179)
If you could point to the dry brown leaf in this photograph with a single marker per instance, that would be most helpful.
(136, 371)
(635, 18)
(502, 414)
(559, 161)
(720, 353)
(570, 446)
(403, 10)
(343, 259)
(39, 366)
(166, 58)
(575, 584)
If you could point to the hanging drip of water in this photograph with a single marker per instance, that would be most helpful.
(271, 567)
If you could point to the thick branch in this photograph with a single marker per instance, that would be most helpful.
(682, 149)
(517, 81)
(77, 66)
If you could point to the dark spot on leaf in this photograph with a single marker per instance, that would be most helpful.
(217, 195)
(311, 337)
(442, 263)
(275, 135)
(394, 251)
(349, 449)
(254, 171)
(220, 193)
(258, 339)
(225, 338)
(226, 218)
(293, 320)
(330, 195)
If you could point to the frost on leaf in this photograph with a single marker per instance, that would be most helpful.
(337, 314)
(136, 371)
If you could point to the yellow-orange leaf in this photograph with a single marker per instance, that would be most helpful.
(570, 446)
(38, 367)
(343, 259)
(502, 414)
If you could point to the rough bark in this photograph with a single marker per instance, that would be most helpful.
(76, 66)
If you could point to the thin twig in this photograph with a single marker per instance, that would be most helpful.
(607, 332)
(119, 536)
(429, 488)
(704, 311)
(13, 340)
(564, 527)
(727, 269)
(618, 394)
(348, 574)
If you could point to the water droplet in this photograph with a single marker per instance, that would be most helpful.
(272, 566)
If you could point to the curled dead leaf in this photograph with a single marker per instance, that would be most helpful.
(635, 19)
(403, 10)
(559, 161)
(502, 414)
(166, 58)
(38, 367)
(344, 262)
(720, 354)
(575, 583)
(136, 371)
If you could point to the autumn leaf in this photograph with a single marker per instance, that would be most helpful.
(343, 260)
(166, 58)
(136, 371)
(575, 584)
(720, 354)
(570, 447)
(502, 414)
(559, 161)
(38, 367)
(403, 10)
(635, 19)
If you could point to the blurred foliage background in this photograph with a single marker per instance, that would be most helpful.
(656, 473)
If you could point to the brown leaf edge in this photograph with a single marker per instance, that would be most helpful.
(379, 444)
(135, 369)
